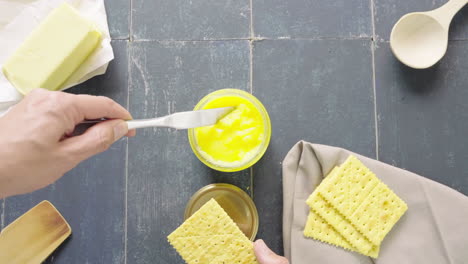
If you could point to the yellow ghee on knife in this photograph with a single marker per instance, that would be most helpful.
(237, 139)
(53, 51)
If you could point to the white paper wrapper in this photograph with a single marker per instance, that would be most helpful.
(19, 17)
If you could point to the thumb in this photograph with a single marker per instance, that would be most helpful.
(266, 256)
(95, 140)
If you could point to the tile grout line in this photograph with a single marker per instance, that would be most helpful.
(2, 217)
(126, 158)
(251, 183)
(373, 40)
(130, 40)
(264, 38)
(252, 37)
(130, 22)
(251, 66)
(248, 38)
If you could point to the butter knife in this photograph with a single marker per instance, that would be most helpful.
(181, 120)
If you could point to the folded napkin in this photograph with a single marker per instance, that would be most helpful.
(434, 230)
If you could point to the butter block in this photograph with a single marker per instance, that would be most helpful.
(53, 51)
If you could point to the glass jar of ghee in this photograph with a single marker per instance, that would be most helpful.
(239, 139)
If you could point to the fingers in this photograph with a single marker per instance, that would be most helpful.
(94, 107)
(80, 106)
(266, 256)
(95, 140)
(131, 133)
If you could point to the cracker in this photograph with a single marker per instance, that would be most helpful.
(357, 194)
(357, 205)
(342, 225)
(318, 229)
(206, 249)
(349, 186)
(327, 178)
(209, 219)
(209, 235)
(379, 213)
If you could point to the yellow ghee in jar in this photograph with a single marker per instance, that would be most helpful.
(235, 137)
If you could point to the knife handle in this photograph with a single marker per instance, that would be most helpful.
(153, 122)
(132, 124)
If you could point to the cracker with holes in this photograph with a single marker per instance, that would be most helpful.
(317, 228)
(210, 236)
(353, 209)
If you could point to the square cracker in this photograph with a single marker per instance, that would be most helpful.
(357, 205)
(216, 248)
(318, 229)
(367, 203)
(348, 187)
(376, 216)
(339, 223)
(210, 219)
(209, 235)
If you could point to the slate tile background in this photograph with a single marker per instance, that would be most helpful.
(163, 171)
(325, 73)
(312, 19)
(190, 19)
(423, 116)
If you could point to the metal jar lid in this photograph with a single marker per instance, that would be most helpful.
(237, 204)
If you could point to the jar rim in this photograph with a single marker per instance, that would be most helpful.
(267, 132)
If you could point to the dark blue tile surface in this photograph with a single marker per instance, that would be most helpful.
(118, 18)
(2, 214)
(163, 173)
(387, 14)
(190, 20)
(322, 99)
(312, 19)
(314, 72)
(91, 196)
(423, 115)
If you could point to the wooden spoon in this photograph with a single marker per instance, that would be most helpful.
(32, 237)
(420, 39)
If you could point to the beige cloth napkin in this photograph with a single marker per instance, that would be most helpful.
(434, 230)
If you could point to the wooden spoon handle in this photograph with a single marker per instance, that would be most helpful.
(445, 13)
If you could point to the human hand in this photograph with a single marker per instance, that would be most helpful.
(35, 144)
(265, 255)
